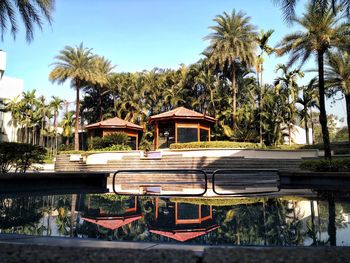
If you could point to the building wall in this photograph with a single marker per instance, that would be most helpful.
(9, 89)
(298, 135)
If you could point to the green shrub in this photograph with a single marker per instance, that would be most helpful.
(64, 147)
(116, 147)
(19, 156)
(214, 144)
(336, 165)
(109, 140)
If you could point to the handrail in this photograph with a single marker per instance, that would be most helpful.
(165, 171)
(216, 172)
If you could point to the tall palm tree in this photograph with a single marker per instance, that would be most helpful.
(232, 41)
(320, 32)
(307, 101)
(337, 75)
(76, 64)
(31, 12)
(262, 41)
(56, 105)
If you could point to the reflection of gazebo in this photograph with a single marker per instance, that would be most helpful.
(114, 220)
(182, 221)
(180, 125)
(115, 125)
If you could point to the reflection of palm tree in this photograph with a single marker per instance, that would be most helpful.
(332, 230)
(72, 213)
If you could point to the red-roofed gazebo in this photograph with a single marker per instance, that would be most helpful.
(112, 222)
(184, 236)
(181, 125)
(115, 125)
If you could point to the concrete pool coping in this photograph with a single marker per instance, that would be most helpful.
(20, 248)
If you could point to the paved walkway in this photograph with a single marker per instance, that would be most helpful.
(19, 248)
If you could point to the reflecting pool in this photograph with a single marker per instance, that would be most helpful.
(321, 219)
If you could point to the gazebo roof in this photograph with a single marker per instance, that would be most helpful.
(112, 222)
(183, 236)
(114, 123)
(182, 113)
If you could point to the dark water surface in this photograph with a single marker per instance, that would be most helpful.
(321, 219)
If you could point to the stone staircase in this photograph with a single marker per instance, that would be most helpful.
(208, 164)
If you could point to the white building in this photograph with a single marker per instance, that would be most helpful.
(298, 135)
(9, 89)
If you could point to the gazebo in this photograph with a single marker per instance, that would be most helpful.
(180, 125)
(113, 220)
(115, 125)
(182, 221)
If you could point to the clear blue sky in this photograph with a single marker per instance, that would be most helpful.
(135, 35)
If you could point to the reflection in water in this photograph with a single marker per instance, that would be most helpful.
(282, 221)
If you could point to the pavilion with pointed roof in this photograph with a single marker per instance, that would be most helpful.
(181, 125)
(181, 221)
(107, 218)
(116, 125)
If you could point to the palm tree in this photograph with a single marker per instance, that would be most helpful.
(321, 31)
(288, 85)
(31, 13)
(12, 106)
(42, 109)
(232, 41)
(67, 124)
(337, 75)
(103, 69)
(76, 64)
(262, 41)
(288, 6)
(56, 105)
(307, 101)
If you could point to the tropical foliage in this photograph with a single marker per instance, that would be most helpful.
(31, 12)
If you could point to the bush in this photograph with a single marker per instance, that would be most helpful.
(214, 144)
(108, 141)
(19, 156)
(64, 147)
(336, 165)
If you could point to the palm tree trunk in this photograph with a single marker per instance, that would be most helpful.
(307, 130)
(72, 211)
(323, 114)
(347, 100)
(332, 229)
(312, 127)
(55, 124)
(77, 109)
(234, 103)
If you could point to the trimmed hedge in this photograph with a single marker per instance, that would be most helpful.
(108, 141)
(19, 156)
(214, 144)
(336, 165)
(219, 201)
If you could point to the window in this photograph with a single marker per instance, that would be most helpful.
(132, 142)
(187, 135)
(205, 211)
(204, 135)
(187, 211)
